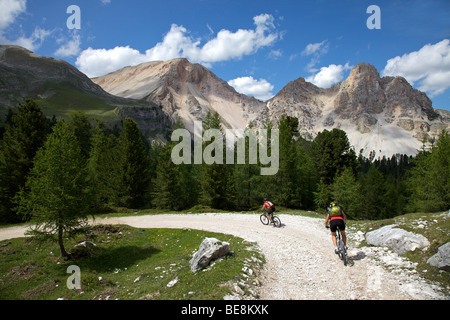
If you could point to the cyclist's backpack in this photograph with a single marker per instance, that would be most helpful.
(335, 211)
(271, 205)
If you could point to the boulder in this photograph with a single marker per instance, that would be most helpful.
(210, 249)
(442, 258)
(399, 240)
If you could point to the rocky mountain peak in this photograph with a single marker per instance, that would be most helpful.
(184, 90)
(384, 114)
(363, 70)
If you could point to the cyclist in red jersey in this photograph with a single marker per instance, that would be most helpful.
(337, 218)
(271, 208)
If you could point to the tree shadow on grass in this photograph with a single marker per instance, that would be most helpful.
(109, 259)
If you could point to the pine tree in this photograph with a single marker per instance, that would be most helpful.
(166, 187)
(134, 165)
(373, 190)
(429, 179)
(173, 186)
(104, 169)
(215, 176)
(347, 191)
(287, 177)
(246, 176)
(57, 193)
(332, 152)
(322, 197)
(20, 143)
(80, 125)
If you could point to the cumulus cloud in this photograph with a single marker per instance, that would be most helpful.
(428, 68)
(261, 89)
(327, 76)
(32, 42)
(316, 48)
(9, 11)
(70, 48)
(177, 43)
(95, 62)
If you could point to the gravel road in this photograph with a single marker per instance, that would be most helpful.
(300, 258)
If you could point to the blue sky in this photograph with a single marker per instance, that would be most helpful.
(257, 46)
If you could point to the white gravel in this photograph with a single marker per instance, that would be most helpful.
(300, 259)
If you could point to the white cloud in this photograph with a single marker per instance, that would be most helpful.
(327, 76)
(316, 48)
(33, 42)
(429, 67)
(261, 89)
(9, 11)
(94, 62)
(70, 48)
(275, 54)
(177, 43)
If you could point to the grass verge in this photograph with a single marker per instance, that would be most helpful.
(126, 263)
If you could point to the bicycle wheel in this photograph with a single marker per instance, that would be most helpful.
(344, 257)
(342, 253)
(264, 219)
(276, 222)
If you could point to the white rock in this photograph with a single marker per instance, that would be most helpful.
(399, 240)
(209, 250)
(172, 283)
(442, 258)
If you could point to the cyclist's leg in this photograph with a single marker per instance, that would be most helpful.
(270, 212)
(342, 228)
(333, 238)
(333, 227)
(344, 237)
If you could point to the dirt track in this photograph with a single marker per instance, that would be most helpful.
(300, 261)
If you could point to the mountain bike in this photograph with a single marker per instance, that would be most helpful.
(342, 250)
(275, 220)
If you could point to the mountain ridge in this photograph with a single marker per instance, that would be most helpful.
(184, 90)
(384, 114)
(60, 89)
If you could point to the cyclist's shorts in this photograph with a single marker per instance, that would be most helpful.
(337, 223)
(271, 210)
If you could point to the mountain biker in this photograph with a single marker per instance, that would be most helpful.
(271, 208)
(337, 218)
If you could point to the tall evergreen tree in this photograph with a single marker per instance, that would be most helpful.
(80, 125)
(246, 177)
(134, 166)
(105, 171)
(20, 143)
(214, 177)
(287, 177)
(374, 190)
(165, 185)
(347, 191)
(429, 179)
(173, 186)
(57, 192)
(332, 152)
